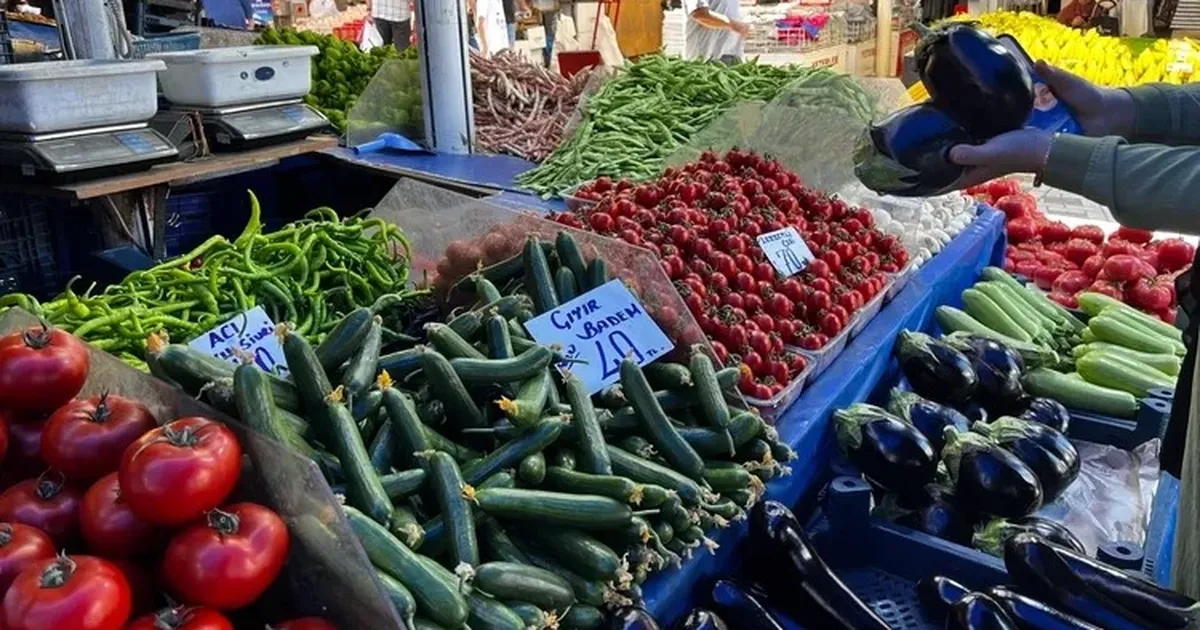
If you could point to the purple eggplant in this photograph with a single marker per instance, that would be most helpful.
(907, 153)
(1047, 452)
(988, 479)
(978, 612)
(938, 593)
(740, 603)
(975, 412)
(986, 349)
(993, 535)
(935, 369)
(800, 577)
(1093, 591)
(929, 417)
(631, 618)
(1030, 614)
(932, 512)
(701, 619)
(1049, 412)
(889, 451)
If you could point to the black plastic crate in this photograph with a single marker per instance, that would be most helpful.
(7, 53)
(28, 261)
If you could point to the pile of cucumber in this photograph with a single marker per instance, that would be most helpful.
(488, 488)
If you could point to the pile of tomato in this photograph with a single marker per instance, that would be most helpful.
(1128, 265)
(702, 220)
(98, 498)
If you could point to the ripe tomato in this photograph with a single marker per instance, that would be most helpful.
(181, 618)
(109, 527)
(21, 546)
(1174, 254)
(229, 560)
(760, 342)
(41, 369)
(306, 623)
(84, 439)
(736, 337)
(818, 301)
(780, 306)
(831, 324)
(46, 503)
(173, 474)
(76, 592)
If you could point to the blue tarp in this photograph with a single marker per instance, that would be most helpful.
(852, 377)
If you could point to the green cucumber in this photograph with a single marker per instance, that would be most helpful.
(613, 487)
(436, 596)
(256, 407)
(611, 397)
(1105, 327)
(496, 543)
(564, 458)
(406, 527)
(591, 592)
(421, 623)
(488, 614)
(380, 450)
(565, 285)
(499, 341)
(1079, 394)
(1117, 372)
(194, 370)
(467, 325)
(995, 292)
(532, 469)
(710, 396)
(311, 381)
(672, 376)
(569, 254)
(1128, 317)
(450, 344)
(534, 617)
(1168, 364)
(727, 378)
(596, 275)
(399, 595)
(435, 530)
(512, 452)
(591, 454)
(582, 617)
(448, 388)
(654, 495)
(486, 289)
(581, 511)
(1096, 303)
(579, 552)
(399, 365)
(539, 281)
(984, 309)
(519, 368)
(438, 442)
(645, 471)
(452, 498)
(526, 409)
(397, 485)
(344, 339)
(407, 434)
(659, 429)
(366, 405)
(361, 369)
(363, 488)
(508, 580)
(725, 479)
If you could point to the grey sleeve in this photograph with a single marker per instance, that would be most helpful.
(1166, 114)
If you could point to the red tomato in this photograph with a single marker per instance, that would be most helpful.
(76, 592)
(41, 369)
(1093, 265)
(1054, 232)
(1116, 246)
(1134, 235)
(1064, 299)
(307, 623)
(1174, 254)
(109, 527)
(998, 188)
(21, 546)
(173, 474)
(84, 439)
(1079, 250)
(1071, 282)
(1149, 296)
(1124, 268)
(1091, 233)
(1021, 229)
(46, 503)
(181, 618)
(230, 560)
(1107, 288)
(24, 457)
(1045, 277)
(1017, 206)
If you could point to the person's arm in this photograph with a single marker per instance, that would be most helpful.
(1069, 13)
(1165, 114)
(708, 18)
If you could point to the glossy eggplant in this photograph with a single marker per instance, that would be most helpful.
(748, 608)
(1047, 452)
(978, 612)
(975, 412)
(1030, 614)
(1049, 412)
(907, 153)
(631, 618)
(941, 519)
(993, 535)
(1092, 590)
(999, 381)
(928, 416)
(985, 348)
(938, 593)
(988, 479)
(889, 451)
(701, 619)
(936, 370)
(800, 577)
(972, 77)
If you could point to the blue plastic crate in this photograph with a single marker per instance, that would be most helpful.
(1160, 537)
(27, 246)
(7, 53)
(1153, 414)
(189, 220)
(168, 42)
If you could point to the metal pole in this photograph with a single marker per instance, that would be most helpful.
(442, 48)
(885, 57)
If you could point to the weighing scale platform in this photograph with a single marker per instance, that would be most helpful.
(72, 156)
(242, 127)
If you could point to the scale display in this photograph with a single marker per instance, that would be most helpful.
(263, 123)
(84, 154)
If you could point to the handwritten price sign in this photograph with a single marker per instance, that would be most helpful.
(601, 327)
(252, 332)
(786, 250)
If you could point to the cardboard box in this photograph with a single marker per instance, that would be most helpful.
(832, 57)
(536, 36)
(860, 58)
(299, 8)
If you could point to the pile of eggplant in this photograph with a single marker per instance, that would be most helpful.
(964, 455)
(1057, 588)
(977, 89)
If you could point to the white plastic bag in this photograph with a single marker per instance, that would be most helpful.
(322, 8)
(370, 37)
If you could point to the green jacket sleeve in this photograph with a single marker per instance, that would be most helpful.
(1151, 186)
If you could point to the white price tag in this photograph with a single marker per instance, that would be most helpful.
(786, 250)
(252, 332)
(601, 327)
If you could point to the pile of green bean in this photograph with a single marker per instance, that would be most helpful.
(310, 272)
(642, 115)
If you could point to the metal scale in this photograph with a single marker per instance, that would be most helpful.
(68, 156)
(237, 127)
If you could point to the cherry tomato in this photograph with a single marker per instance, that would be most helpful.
(41, 369)
(21, 546)
(76, 592)
(84, 439)
(780, 306)
(110, 528)
(228, 560)
(306, 623)
(181, 618)
(46, 503)
(754, 361)
(173, 474)
(736, 337)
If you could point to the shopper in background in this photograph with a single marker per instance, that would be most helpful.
(1078, 14)
(1140, 158)
(714, 30)
(549, 9)
(393, 20)
(510, 20)
(491, 34)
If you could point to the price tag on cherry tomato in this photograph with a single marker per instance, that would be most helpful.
(252, 332)
(598, 329)
(786, 250)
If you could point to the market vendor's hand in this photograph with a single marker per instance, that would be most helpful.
(741, 28)
(1020, 151)
(1100, 111)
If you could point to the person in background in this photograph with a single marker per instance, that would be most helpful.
(549, 10)
(393, 20)
(1140, 156)
(510, 20)
(490, 28)
(714, 30)
(1078, 14)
